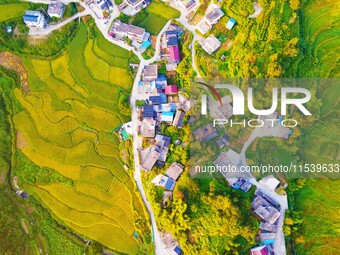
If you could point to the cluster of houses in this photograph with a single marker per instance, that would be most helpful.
(164, 105)
(168, 180)
(36, 19)
(267, 211)
(140, 39)
(213, 15)
(170, 46)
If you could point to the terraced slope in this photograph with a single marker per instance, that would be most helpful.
(66, 125)
(321, 29)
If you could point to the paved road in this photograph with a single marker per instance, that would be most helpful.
(279, 244)
(50, 28)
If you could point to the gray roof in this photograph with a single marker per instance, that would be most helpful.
(211, 44)
(56, 8)
(175, 170)
(148, 127)
(150, 157)
(214, 15)
(205, 133)
(121, 27)
(150, 72)
(178, 120)
(265, 210)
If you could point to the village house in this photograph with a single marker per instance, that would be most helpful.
(158, 99)
(186, 4)
(149, 112)
(149, 157)
(267, 238)
(210, 44)
(218, 111)
(174, 54)
(231, 158)
(120, 30)
(136, 4)
(210, 19)
(171, 244)
(259, 250)
(207, 132)
(132, 7)
(268, 227)
(163, 143)
(34, 19)
(164, 181)
(174, 171)
(271, 182)
(56, 9)
(150, 73)
(167, 117)
(170, 43)
(171, 90)
(156, 152)
(148, 127)
(265, 210)
(178, 120)
(185, 103)
(166, 107)
(105, 5)
(168, 181)
(223, 141)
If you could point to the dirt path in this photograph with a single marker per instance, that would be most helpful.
(14, 63)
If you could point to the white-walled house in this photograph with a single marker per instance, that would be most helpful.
(34, 19)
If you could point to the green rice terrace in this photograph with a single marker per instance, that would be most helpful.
(66, 112)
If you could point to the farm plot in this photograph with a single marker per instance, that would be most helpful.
(12, 10)
(67, 122)
(322, 24)
(104, 71)
(158, 16)
(73, 208)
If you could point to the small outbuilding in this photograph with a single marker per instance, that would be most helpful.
(231, 23)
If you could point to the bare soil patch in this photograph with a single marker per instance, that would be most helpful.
(14, 63)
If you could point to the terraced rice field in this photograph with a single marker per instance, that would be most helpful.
(67, 122)
(322, 25)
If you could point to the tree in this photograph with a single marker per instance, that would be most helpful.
(294, 4)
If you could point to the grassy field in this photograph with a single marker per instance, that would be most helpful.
(12, 10)
(320, 203)
(158, 15)
(66, 127)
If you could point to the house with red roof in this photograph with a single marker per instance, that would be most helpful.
(171, 90)
(174, 54)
